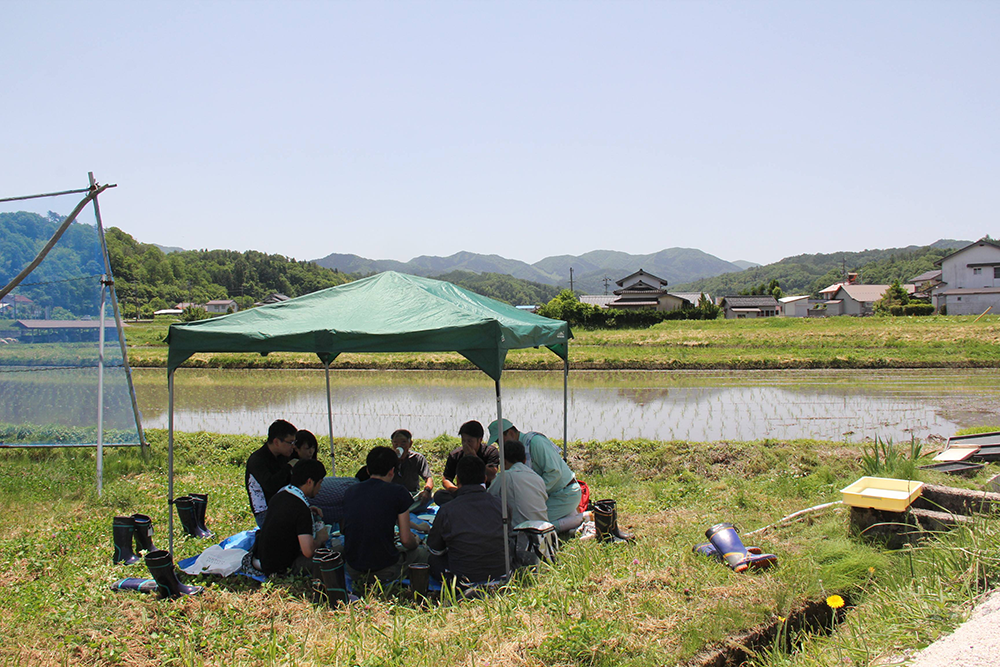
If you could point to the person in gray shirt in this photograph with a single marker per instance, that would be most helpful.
(526, 494)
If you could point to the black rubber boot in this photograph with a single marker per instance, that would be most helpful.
(331, 571)
(122, 532)
(189, 520)
(143, 533)
(608, 511)
(200, 508)
(161, 567)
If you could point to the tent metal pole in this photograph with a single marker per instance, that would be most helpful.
(100, 390)
(329, 416)
(170, 458)
(503, 482)
(118, 319)
(565, 402)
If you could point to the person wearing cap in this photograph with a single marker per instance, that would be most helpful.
(544, 458)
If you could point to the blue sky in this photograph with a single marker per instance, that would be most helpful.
(749, 130)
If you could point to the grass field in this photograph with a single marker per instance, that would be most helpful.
(836, 342)
(652, 603)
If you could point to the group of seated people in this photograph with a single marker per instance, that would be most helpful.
(293, 504)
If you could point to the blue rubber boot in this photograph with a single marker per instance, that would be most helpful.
(725, 539)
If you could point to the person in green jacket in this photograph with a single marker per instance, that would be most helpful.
(545, 458)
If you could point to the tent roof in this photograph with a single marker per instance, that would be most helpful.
(388, 312)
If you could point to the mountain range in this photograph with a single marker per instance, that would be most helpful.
(675, 265)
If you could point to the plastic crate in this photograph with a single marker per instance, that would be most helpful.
(882, 493)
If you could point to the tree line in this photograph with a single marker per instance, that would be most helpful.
(148, 279)
(808, 274)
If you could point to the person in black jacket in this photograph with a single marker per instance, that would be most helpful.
(467, 536)
(286, 540)
(268, 469)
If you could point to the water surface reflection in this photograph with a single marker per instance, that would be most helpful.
(689, 405)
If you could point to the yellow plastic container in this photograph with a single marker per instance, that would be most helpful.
(882, 493)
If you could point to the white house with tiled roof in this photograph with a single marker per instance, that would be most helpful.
(640, 291)
(970, 279)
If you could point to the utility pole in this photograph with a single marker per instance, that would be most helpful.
(571, 279)
(607, 281)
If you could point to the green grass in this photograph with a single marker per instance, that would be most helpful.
(836, 342)
(653, 603)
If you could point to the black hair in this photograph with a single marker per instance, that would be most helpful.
(306, 470)
(471, 470)
(403, 432)
(473, 429)
(513, 451)
(381, 460)
(306, 438)
(280, 429)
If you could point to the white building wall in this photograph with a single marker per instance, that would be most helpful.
(956, 272)
(970, 304)
(797, 308)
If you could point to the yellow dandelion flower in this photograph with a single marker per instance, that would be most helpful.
(835, 601)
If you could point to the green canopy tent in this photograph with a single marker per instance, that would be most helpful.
(388, 312)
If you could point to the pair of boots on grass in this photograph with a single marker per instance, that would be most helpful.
(138, 528)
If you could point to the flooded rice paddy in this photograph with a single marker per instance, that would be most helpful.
(687, 405)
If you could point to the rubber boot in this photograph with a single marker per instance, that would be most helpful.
(122, 533)
(728, 543)
(161, 567)
(708, 549)
(331, 572)
(143, 533)
(200, 507)
(135, 584)
(609, 508)
(186, 513)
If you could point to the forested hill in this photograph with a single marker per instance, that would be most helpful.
(147, 276)
(807, 274)
(502, 287)
(144, 273)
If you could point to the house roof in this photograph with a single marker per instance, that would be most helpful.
(745, 310)
(740, 301)
(16, 298)
(789, 299)
(219, 302)
(926, 275)
(981, 242)
(832, 289)
(870, 293)
(275, 297)
(643, 273)
(599, 300)
(693, 297)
